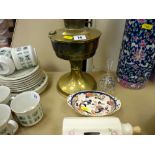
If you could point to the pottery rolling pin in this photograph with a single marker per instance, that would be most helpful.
(97, 126)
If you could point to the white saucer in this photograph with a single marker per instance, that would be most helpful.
(27, 86)
(20, 81)
(20, 74)
(39, 88)
(24, 80)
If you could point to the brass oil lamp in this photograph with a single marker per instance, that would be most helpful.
(75, 43)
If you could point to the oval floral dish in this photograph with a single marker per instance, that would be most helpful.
(93, 103)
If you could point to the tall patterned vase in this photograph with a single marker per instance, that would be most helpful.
(152, 77)
(137, 56)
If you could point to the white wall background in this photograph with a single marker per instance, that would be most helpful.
(35, 32)
(110, 43)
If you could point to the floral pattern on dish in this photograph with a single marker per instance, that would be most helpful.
(94, 103)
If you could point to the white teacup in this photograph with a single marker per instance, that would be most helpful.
(7, 66)
(6, 63)
(7, 125)
(6, 51)
(5, 95)
(27, 108)
(24, 57)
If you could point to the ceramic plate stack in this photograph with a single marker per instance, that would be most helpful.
(25, 80)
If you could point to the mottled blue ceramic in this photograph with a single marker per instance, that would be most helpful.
(137, 54)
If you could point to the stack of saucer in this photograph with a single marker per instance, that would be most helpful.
(31, 79)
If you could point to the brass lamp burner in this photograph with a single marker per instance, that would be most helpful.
(75, 43)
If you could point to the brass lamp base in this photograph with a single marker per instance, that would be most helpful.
(75, 81)
(75, 43)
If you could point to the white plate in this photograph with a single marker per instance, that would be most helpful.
(27, 85)
(20, 74)
(17, 82)
(43, 85)
(39, 88)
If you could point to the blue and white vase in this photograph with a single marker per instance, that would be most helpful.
(137, 54)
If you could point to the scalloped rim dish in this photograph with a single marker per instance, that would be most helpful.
(93, 103)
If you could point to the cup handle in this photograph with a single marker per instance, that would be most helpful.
(14, 126)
